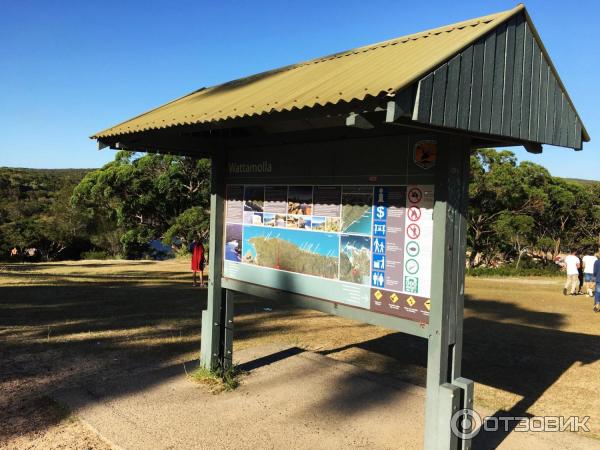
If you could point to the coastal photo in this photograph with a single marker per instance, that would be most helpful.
(254, 198)
(292, 250)
(274, 220)
(331, 224)
(302, 222)
(357, 208)
(355, 259)
(300, 200)
(233, 242)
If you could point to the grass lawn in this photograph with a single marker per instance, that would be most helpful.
(529, 349)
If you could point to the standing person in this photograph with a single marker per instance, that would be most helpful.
(572, 285)
(580, 270)
(198, 260)
(588, 273)
(596, 275)
(14, 253)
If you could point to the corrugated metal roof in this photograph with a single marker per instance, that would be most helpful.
(383, 68)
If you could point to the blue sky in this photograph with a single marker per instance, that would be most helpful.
(69, 69)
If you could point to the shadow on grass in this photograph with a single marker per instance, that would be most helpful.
(523, 359)
(72, 334)
(56, 336)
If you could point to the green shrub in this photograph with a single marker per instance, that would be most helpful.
(95, 254)
(524, 270)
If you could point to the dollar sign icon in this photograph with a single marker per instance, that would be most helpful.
(380, 212)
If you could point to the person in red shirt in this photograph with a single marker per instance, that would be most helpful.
(198, 260)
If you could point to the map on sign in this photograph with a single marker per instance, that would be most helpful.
(364, 246)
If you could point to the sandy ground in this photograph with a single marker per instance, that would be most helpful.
(529, 349)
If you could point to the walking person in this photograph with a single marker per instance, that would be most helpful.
(572, 263)
(596, 275)
(588, 273)
(198, 260)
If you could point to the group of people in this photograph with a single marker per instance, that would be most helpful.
(583, 274)
(27, 254)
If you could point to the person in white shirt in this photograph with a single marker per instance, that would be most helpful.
(588, 273)
(573, 263)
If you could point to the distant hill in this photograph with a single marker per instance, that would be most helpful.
(580, 181)
(80, 173)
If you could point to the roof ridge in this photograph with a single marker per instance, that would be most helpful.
(411, 37)
(377, 45)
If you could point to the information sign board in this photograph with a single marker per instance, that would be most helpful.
(363, 246)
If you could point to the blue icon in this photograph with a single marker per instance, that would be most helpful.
(377, 279)
(379, 228)
(380, 213)
(379, 262)
(379, 246)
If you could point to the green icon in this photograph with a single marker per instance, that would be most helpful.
(412, 266)
(411, 284)
(412, 248)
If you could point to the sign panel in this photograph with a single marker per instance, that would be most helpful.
(364, 246)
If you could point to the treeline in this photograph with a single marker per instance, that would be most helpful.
(119, 211)
(518, 212)
(36, 212)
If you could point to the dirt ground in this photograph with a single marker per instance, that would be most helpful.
(529, 349)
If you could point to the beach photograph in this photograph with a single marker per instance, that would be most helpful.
(274, 220)
(331, 224)
(357, 210)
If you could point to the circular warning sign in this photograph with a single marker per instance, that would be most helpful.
(415, 195)
(414, 213)
(413, 231)
(412, 248)
(411, 266)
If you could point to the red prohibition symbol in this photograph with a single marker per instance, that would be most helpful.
(415, 195)
(414, 213)
(413, 231)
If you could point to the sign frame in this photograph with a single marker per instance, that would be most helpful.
(446, 390)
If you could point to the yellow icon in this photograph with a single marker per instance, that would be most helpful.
(411, 301)
(378, 295)
(394, 298)
(428, 305)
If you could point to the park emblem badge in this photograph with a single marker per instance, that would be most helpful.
(425, 154)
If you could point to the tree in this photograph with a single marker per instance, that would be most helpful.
(143, 196)
(516, 205)
(516, 231)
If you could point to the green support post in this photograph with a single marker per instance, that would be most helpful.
(444, 397)
(227, 339)
(211, 348)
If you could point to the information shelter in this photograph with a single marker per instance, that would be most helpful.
(341, 184)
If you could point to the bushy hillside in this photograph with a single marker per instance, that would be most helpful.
(35, 211)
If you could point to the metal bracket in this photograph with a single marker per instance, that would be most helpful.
(358, 121)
